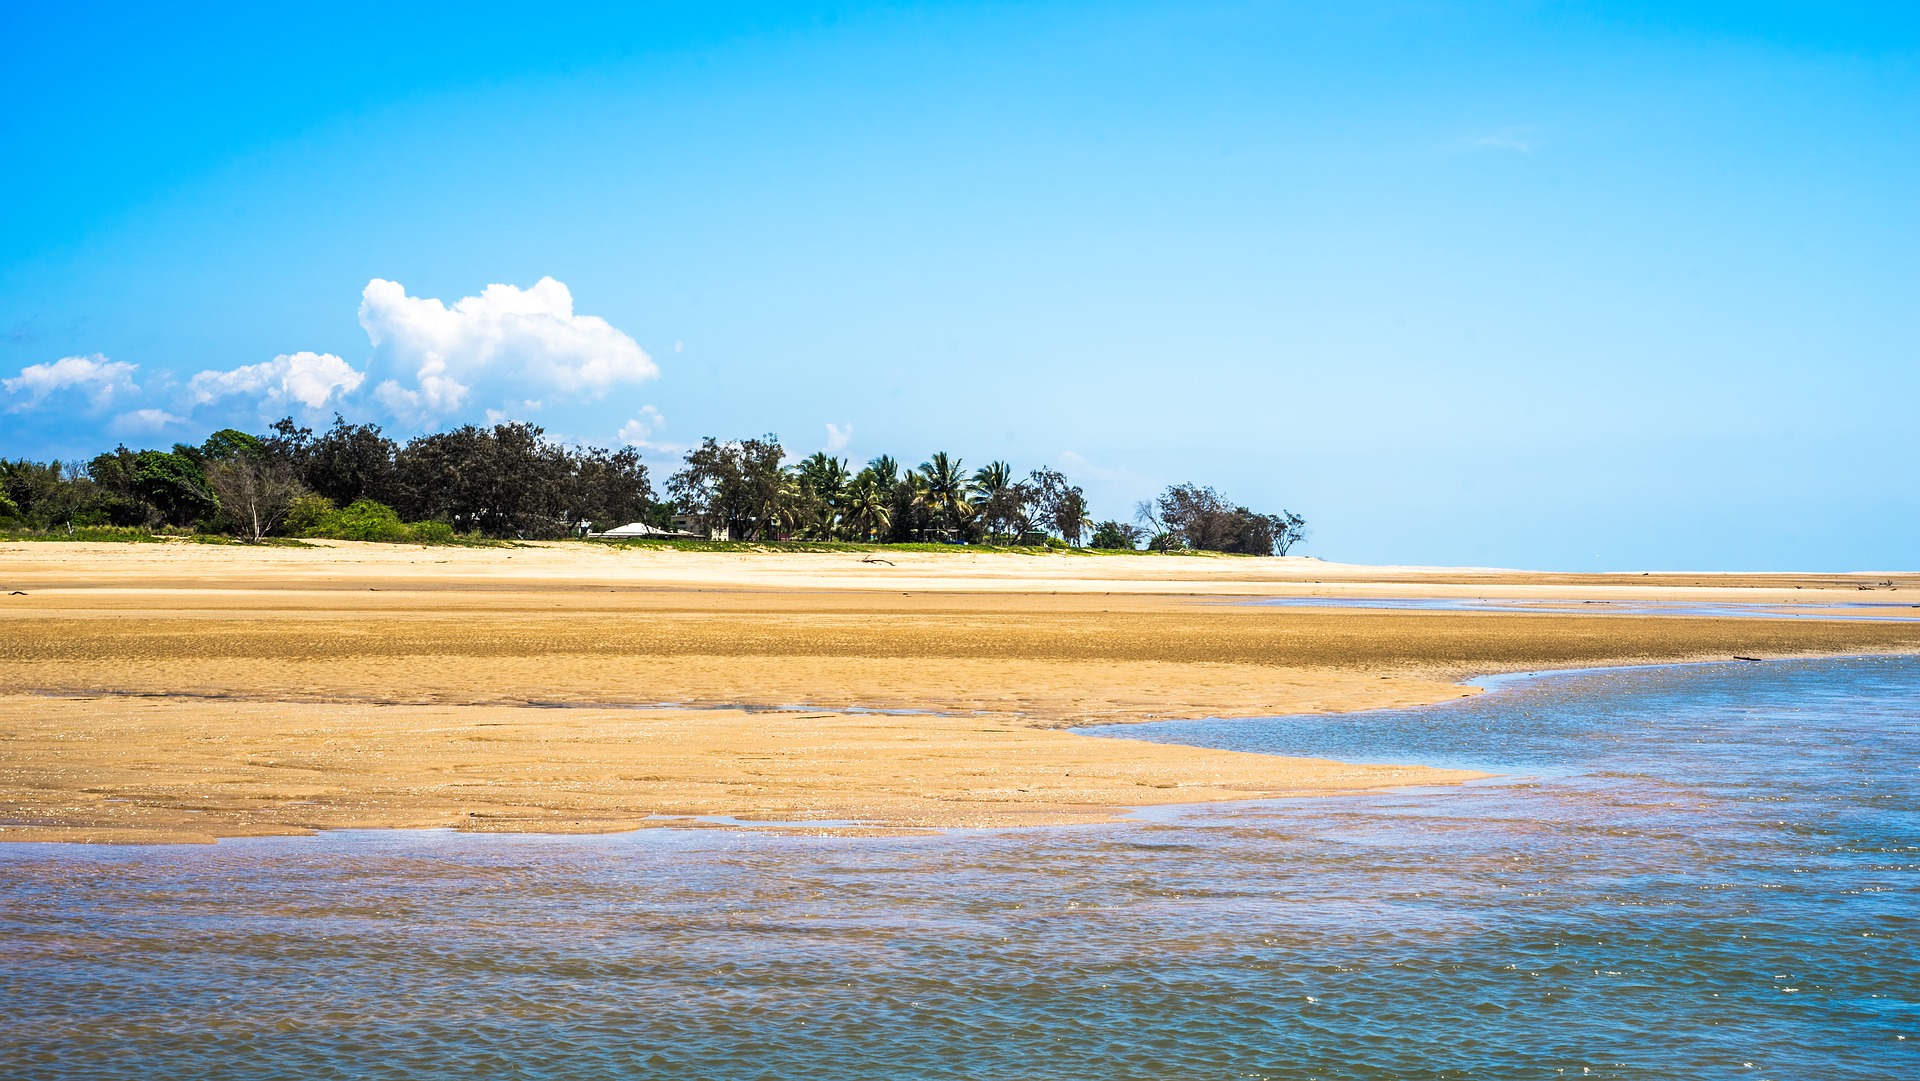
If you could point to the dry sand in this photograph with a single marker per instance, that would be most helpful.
(185, 692)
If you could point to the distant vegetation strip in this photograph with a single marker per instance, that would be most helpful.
(476, 485)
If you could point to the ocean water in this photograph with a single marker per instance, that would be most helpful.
(1685, 872)
(1880, 611)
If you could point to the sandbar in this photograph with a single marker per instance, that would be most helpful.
(186, 692)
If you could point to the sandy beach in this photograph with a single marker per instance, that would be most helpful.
(184, 692)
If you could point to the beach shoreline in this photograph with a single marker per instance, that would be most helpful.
(182, 692)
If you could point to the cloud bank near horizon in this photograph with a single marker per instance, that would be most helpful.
(503, 353)
(95, 378)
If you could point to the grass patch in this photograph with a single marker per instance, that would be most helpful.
(472, 540)
(107, 533)
(684, 545)
(385, 529)
(139, 535)
(264, 542)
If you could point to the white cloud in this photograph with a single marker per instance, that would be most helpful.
(311, 379)
(507, 342)
(399, 400)
(838, 437)
(639, 432)
(503, 353)
(634, 432)
(145, 420)
(99, 378)
(1074, 464)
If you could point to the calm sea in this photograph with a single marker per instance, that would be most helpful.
(1687, 872)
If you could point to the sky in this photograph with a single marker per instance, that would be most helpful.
(1576, 286)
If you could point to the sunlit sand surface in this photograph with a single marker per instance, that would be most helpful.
(186, 692)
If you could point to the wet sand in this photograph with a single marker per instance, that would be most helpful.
(185, 692)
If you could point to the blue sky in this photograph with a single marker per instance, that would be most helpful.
(1577, 286)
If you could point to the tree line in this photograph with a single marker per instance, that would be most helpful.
(511, 481)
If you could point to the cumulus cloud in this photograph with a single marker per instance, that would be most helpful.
(634, 432)
(838, 437)
(506, 342)
(145, 420)
(502, 353)
(639, 432)
(100, 379)
(311, 379)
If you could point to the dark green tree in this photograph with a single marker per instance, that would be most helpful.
(113, 474)
(737, 488)
(1058, 505)
(1190, 516)
(230, 443)
(607, 488)
(507, 481)
(47, 494)
(173, 484)
(345, 463)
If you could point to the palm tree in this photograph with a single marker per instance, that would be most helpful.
(824, 484)
(886, 471)
(992, 478)
(869, 508)
(790, 512)
(910, 495)
(947, 489)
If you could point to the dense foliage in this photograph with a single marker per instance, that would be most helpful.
(741, 490)
(1189, 516)
(352, 482)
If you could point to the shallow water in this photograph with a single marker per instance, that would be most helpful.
(1879, 611)
(1700, 872)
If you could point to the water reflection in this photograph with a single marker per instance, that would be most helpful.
(1685, 871)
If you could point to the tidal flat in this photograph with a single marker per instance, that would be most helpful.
(184, 692)
(1702, 871)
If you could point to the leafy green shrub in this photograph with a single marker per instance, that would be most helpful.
(306, 514)
(431, 532)
(366, 520)
(362, 520)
